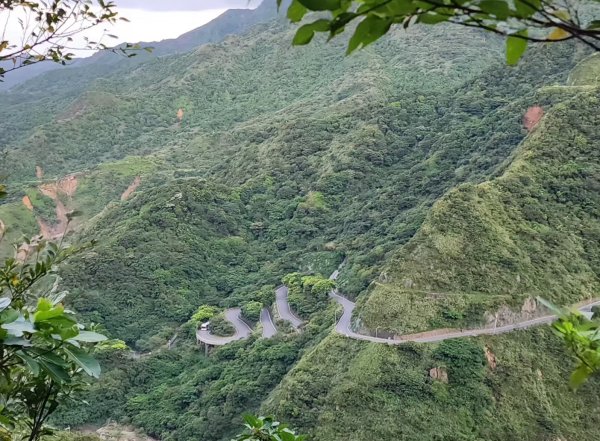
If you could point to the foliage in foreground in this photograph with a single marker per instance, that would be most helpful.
(45, 353)
(520, 21)
(266, 429)
(582, 338)
(47, 30)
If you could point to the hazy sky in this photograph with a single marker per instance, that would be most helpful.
(150, 20)
(185, 5)
(153, 20)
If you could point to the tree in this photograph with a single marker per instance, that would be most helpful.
(45, 354)
(251, 311)
(318, 286)
(582, 338)
(292, 280)
(204, 313)
(519, 21)
(47, 30)
(266, 429)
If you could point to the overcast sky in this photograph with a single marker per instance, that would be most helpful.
(154, 20)
(185, 5)
(150, 20)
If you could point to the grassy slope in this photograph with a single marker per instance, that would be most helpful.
(532, 231)
(351, 391)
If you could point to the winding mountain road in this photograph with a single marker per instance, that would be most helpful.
(344, 324)
(268, 327)
(283, 307)
(242, 330)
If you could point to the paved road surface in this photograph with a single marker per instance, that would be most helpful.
(343, 326)
(242, 330)
(269, 329)
(283, 307)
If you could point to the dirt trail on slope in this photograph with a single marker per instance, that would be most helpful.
(132, 188)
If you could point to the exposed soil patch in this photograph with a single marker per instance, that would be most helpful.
(25, 249)
(532, 117)
(27, 203)
(49, 190)
(131, 189)
(66, 186)
(491, 358)
(39, 172)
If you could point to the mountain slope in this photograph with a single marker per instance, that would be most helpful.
(531, 232)
(256, 161)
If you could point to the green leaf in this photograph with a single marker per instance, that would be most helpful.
(57, 373)
(433, 18)
(526, 8)
(90, 337)
(321, 5)
(579, 376)
(515, 47)
(498, 8)
(296, 11)
(397, 8)
(287, 435)
(594, 24)
(306, 33)
(368, 31)
(54, 312)
(33, 365)
(19, 326)
(44, 304)
(88, 363)
(552, 307)
(8, 316)
(252, 421)
(17, 341)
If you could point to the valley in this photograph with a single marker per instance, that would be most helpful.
(442, 190)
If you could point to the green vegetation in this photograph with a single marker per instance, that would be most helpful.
(45, 354)
(407, 160)
(204, 314)
(506, 238)
(251, 311)
(266, 429)
(220, 326)
(347, 390)
(582, 337)
(308, 294)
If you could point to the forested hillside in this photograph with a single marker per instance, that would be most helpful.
(207, 176)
